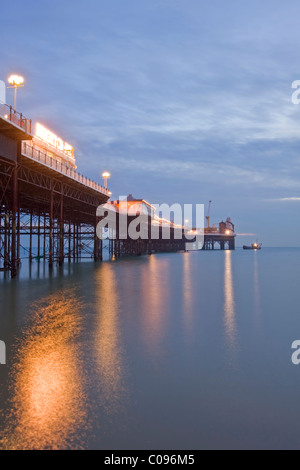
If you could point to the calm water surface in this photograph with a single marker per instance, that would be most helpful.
(175, 351)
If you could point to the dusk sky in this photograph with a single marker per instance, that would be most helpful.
(182, 101)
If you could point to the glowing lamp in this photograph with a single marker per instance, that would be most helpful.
(105, 177)
(16, 80)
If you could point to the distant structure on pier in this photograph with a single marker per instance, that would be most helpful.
(120, 243)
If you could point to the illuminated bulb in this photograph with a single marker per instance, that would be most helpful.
(16, 80)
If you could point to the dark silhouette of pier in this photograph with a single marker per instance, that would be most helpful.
(158, 234)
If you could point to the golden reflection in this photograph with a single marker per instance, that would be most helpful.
(108, 339)
(229, 305)
(155, 287)
(48, 400)
(257, 302)
(187, 293)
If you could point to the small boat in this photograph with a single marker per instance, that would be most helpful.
(254, 246)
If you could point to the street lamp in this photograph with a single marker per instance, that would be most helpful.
(16, 82)
(105, 177)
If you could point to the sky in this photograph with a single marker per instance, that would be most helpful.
(183, 101)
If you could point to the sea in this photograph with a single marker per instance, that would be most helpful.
(179, 351)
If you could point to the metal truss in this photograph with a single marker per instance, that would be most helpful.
(45, 217)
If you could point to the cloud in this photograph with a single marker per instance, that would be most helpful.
(286, 199)
(213, 172)
(181, 101)
(246, 234)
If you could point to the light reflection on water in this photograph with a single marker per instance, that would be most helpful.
(229, 304)
(256, 292)
(107, 340)
(47, 391)
(188, 294)
(155, 291)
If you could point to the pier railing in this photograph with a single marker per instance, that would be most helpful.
(29, 151)
(7, 112)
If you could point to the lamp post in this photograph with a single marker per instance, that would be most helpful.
(105, 177)
(16, 82)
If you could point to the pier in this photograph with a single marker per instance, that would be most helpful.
(157, 235)
(50, 210)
